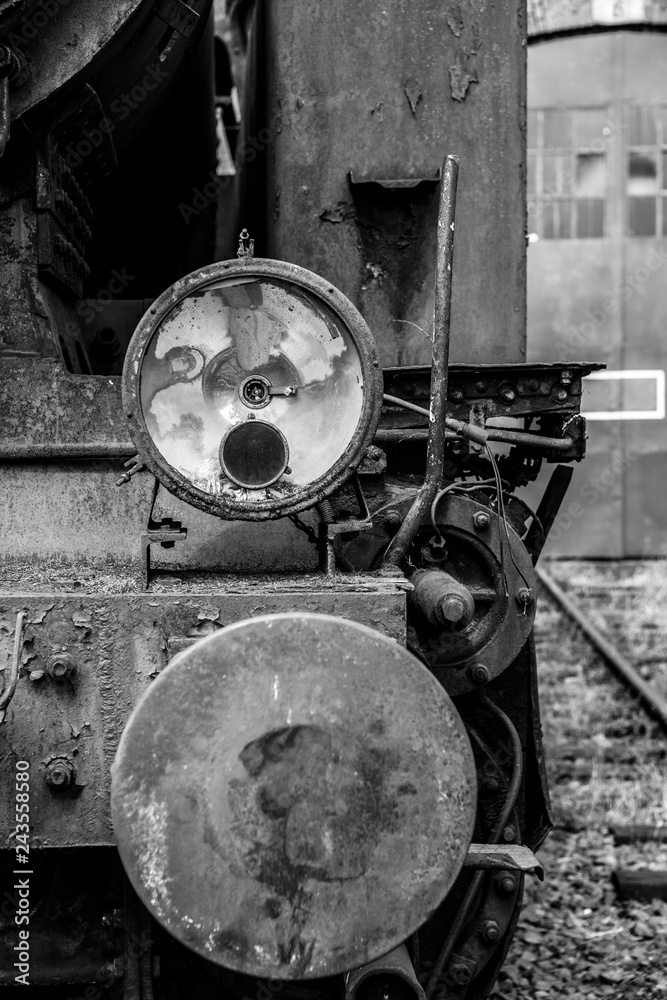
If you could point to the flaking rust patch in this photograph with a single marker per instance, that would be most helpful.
(463, 72)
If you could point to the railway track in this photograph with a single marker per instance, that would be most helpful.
(607, 766)
(628, 597)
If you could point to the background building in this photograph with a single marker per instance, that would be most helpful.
(597, 281)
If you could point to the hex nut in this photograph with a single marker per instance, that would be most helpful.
(491, 931)
(481, 520)
(60, 774)
(61, 666)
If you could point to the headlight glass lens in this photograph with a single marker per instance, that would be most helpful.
(251, 348)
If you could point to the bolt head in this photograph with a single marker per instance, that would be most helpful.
(451, 609)
(491, 931)
(561, 395)
(508, 395)
(457, 396)
(507, 884)
(479, 674)
(481, 520)
(60, 666)
(509, 834)
(480, 386)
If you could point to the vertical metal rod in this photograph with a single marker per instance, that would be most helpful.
(435, 449)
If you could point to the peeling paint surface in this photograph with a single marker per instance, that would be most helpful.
(293, 796)
(120, 643)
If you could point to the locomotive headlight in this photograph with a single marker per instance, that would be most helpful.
(252, 388)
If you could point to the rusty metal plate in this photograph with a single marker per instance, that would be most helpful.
(293, 796)
(120, 643)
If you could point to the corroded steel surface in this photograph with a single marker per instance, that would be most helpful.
(119, 643)
(294, 796)
(362, 98)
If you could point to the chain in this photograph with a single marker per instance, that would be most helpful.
(307, 530)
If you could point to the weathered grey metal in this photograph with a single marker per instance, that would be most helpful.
(468, 658)
(45, 406)
(120, 642)
(440, 598)
(535, 388)
(47, 37)
(515, 857)
(352, 125)
(306, 829)
(303, 497)
(435, 447)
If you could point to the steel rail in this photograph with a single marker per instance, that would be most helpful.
(653, 702)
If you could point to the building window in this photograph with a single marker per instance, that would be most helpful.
(646, 177)
(567, 172)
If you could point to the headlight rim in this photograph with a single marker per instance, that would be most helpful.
(276, 507)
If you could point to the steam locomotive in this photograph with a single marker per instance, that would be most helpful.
(269, 713)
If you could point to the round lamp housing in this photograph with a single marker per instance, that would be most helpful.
(252, 389)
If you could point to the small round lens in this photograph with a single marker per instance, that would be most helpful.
(254, 454)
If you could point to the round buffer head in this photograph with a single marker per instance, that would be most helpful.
(252, 338)
(293, 796)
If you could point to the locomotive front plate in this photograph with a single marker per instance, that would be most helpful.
(293, 796)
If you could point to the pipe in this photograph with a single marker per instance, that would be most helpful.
(393, 976)
(435, 449)
(458, 429)
(56, 450)
(652, 700)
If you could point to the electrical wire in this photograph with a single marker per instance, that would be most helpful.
(500, 502)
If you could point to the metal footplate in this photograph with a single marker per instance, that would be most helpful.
(512, 856)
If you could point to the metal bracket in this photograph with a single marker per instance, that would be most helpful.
(503, 856)
(330, 529)
(177, 15)
(166, 532)
(246, 248)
